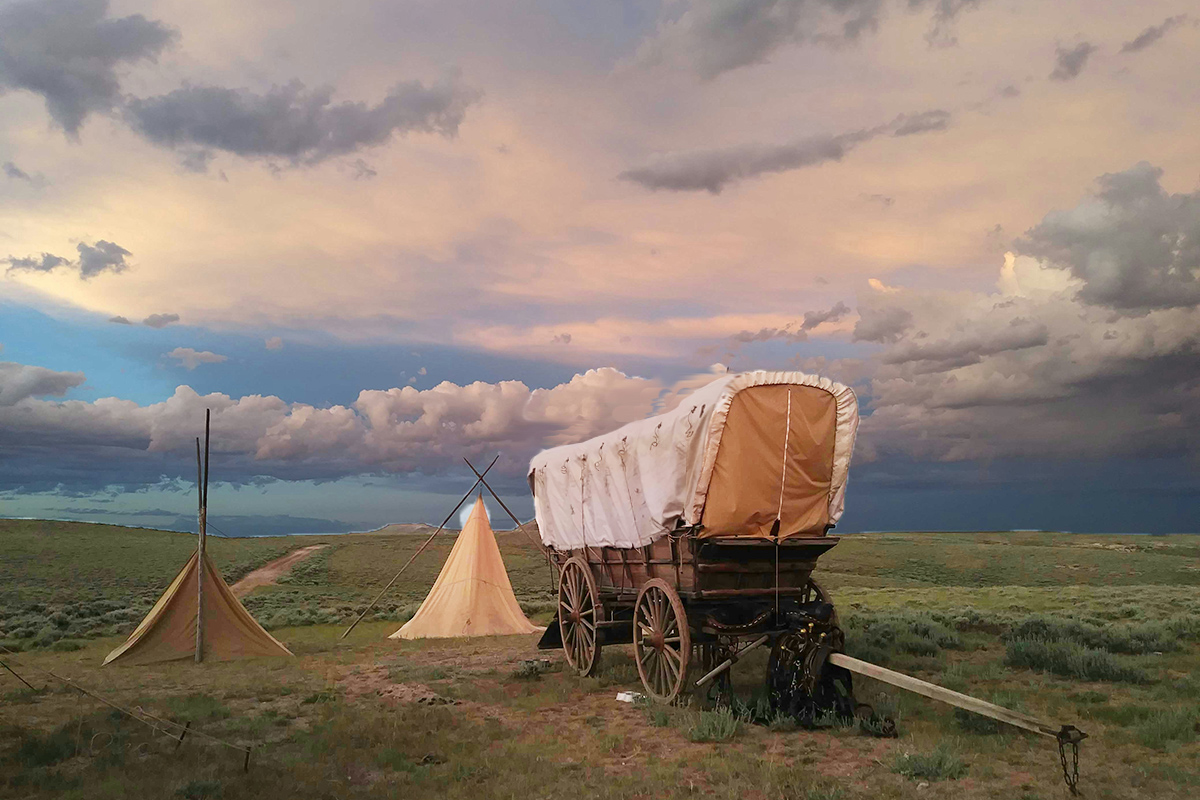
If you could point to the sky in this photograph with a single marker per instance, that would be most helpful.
(378, 236)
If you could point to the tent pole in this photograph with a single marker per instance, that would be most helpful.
(199, 550)
(520, 525)
(203, 554)
(421, 549)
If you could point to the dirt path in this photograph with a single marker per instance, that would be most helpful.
(266, 575)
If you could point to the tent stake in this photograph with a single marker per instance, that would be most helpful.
(346, 632)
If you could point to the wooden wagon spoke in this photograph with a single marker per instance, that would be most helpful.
(579, 611)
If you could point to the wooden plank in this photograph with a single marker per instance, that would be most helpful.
(760, 591)
(935, 692)
(758, 567)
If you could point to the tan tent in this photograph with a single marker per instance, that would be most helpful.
(168, 632)
(472, 596)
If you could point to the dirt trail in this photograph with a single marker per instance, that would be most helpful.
(266, 575)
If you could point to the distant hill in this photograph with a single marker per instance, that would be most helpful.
(410, 528)
(421, 529)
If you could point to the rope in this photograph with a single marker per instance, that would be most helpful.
(783, 472)
(138, 713)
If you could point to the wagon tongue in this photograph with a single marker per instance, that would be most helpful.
(1068, 737)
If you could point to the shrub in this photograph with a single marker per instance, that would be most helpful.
(35, 749)
(714, 726)
(1167, 727)
(1149, 637)
(875, 637)
(199, 790)
(658, 716)
(986, 726)
(1071, 660)
(940, 764)
(531, 670)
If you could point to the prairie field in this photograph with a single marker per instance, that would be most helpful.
(1102, 632)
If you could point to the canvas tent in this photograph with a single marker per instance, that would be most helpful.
(198, 617)
(732, 459)
(472, 595)
(168, 632)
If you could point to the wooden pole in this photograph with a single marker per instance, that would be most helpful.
(935, 692)
(520, 525)
(421, 549)
(729, 662)
(199, 552)
(18, 677)
(203, 546)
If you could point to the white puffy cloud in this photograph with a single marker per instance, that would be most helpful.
(396, 430)
(190, 358)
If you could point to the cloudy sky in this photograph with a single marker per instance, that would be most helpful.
(378, 235)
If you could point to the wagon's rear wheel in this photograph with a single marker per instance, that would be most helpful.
(579, 610)
(815, 592)
(662, 642)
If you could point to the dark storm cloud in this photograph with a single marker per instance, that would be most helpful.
(711, 37)
(945, 12)
(926, 121)
(1152, 34)
(160, 320)
(713, 170)
(69, 51)
(293, 123)
(120, 320)
(792, 332)
(883, 324)
(45, 263)
(1134, 246)
(15, 173)
(362, 171)
(20, 381)
(101, 257)
(1018, 334)
(1089, 348)
(1069, 62)
(814, 318)
(93, 259)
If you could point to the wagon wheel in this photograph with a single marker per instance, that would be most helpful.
(814, 591)
(579, 609)
(662, 642)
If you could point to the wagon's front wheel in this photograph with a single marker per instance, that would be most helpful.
(579, 611)
(661, 640)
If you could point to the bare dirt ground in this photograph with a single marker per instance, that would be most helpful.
(266, 575)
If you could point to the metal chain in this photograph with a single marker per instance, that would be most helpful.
(1070, 773)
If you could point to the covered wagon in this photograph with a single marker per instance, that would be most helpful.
(694, 533)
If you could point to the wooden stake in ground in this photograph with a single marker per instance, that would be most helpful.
(458, 505)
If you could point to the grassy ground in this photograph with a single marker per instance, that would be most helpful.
(1098, 631)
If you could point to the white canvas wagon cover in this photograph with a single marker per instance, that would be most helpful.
(733, 457)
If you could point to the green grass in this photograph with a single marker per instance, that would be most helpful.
(939, 764)
(719, 725)
(1114, 624)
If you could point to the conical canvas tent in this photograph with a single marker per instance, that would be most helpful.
(168, 632)
(472, 596)
(198, 616)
